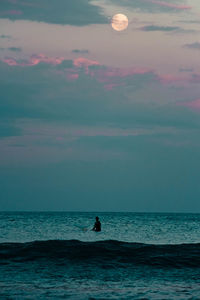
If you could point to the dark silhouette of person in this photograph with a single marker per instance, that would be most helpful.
(97, 225)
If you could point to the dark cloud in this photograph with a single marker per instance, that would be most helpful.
(80, 51)
(184, 31)
(159, 28)
(76, 12)
(186, 70)
(193, 46)
(3, 36)
(189, 21)
(153, 6)
(14, 49)
(39, 92)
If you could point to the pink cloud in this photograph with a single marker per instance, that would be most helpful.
(10, 61)
(170, 79)
(72, 76)
(121, 72)
(110, 86)
(34, 60)
(85, 63)
(81, 62)
(110, 77)
(171, 5)
(37, 58)
(195, 104)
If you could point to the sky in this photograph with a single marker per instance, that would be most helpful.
(92, 119)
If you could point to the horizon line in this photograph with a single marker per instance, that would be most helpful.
(95, 211)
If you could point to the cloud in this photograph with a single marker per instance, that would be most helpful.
(193, 46)
(195, 104)
(80, 51)
(154, 6)
(171, 5)
(3, 36)
(76, 12)
(195, 78)
(116, 77)
(34, 60)
(189, 21)
(43, 91)
(84, 62)
(184, 31)
(84, 92)
(159, 28)
(13, 49)
(109, 77)
(186, 70)
(170, 79)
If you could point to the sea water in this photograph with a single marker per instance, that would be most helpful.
(45, 255)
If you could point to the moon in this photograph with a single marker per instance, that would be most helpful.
(119, 22)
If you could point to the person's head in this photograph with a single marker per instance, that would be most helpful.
(97, 218)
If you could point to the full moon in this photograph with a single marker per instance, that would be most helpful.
(119, 22)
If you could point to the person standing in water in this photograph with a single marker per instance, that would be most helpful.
(97, 225)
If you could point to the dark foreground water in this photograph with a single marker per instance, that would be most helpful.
(136, 256)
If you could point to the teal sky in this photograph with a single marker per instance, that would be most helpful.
(93, 119)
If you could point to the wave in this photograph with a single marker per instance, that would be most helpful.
(110, 252)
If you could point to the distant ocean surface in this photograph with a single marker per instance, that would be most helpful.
(48, 255)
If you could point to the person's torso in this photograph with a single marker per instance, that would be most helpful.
(98, 226)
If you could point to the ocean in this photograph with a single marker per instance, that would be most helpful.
(55, 255)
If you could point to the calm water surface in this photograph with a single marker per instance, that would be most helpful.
(129, 227)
